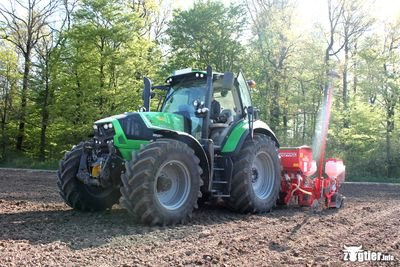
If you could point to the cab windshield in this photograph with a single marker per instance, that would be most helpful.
(180, 99)
(181, 96)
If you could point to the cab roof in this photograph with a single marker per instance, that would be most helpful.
(188, 72)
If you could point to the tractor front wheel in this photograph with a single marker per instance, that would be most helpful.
(78, 195)
(162, 182)
(256, 176)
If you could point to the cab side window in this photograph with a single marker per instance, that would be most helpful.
(227, 105)
(244, 91)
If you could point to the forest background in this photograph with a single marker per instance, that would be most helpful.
(66, 63)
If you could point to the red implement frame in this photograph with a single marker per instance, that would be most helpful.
(298, 167)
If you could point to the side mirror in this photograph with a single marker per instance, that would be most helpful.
(147, 94)
(227, 80)
(252, 115)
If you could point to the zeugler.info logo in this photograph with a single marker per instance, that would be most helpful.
(356, 253)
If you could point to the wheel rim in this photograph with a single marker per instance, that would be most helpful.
(172, 184)
(263, 175)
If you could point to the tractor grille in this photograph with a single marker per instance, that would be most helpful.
(134, 128)
(104, 133)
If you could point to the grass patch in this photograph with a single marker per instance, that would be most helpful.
(372, 179)
(28, 163)
(17, 161)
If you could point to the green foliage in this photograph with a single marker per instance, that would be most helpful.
(19, 160)
(9, 77)
(207, 34)
(374, 179)
(101, 69)
(93, 67)
(360, 145)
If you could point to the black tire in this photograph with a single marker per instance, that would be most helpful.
(80, 196)
(256, 176)
(164, 168)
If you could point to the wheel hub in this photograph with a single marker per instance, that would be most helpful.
(254, 175)
(164, 183)
(263, 174)
(172, 184)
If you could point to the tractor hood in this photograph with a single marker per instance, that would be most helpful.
(141, 125)
(152, 120)
(131, 130)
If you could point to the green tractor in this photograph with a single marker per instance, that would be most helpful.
(204, 142)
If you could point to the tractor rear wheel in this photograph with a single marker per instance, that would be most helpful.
(162, 182)
(78, 195)
(256, 176)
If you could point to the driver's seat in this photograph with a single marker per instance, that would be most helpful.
(218, 131)
(220, 128)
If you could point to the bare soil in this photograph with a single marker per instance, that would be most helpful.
(38, 229)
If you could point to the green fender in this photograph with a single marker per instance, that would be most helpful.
(152, 120)
(239, 132)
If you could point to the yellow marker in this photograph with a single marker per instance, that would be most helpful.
(96, 170)
(295, 165)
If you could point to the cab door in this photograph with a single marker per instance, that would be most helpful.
(244, 93)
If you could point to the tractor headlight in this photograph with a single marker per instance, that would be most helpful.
(95, 127)
(110, 125)
(105, 126)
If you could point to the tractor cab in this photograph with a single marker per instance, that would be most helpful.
(210, 104)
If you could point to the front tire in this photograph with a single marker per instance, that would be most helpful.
(256, 176)
(80, 196)
(162, 182)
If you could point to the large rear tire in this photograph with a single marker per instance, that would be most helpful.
(162, 182)
(80, 196)
(256, 176)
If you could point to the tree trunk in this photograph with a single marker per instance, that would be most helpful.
(355, 78)
(388, 154)
(21, 127)
(303, 139)
(285, 127)
(78, 94)
(345, 85)
(275, 111)
(3, 131)
(45, 115)
(7, 103)
(389, 129)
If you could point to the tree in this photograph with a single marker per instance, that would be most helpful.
(273, 45)
(100, 68)
(380, 82)
(47, 53)
(208, 33)
(25, 32)
(8, 82)
(355, 23)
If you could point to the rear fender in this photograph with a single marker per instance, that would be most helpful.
(235, 139)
